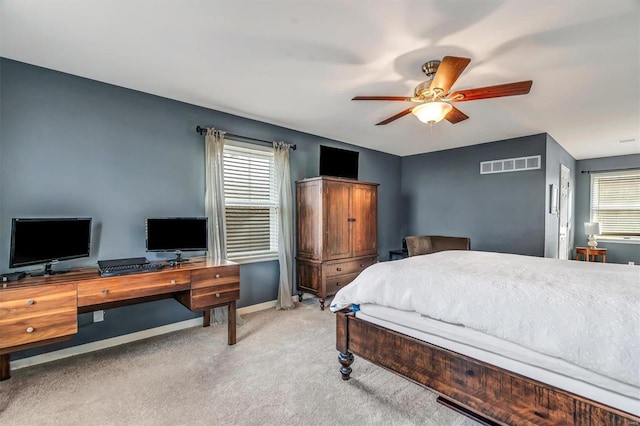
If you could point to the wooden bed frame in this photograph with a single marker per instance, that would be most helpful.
(484, 392)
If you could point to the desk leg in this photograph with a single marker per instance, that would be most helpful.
(232, 323)
(5, 367)
(206, 317)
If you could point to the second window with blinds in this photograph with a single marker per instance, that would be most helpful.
(615, 204)
(250, 202)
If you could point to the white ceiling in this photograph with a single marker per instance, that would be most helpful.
(298, 63)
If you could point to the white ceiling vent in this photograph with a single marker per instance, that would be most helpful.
(510, 165)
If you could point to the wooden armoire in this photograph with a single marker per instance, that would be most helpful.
(337, 233)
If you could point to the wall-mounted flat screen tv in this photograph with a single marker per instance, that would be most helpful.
(48, 240)
(338, 162)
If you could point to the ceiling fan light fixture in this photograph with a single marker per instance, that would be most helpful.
(432, 112)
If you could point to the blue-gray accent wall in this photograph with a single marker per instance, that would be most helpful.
(616, 252)
(76, 147)
(443, 193)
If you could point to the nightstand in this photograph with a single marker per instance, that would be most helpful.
(590, 254)
(398, 254)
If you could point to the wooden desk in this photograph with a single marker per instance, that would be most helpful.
(590, 254)
(37, 311)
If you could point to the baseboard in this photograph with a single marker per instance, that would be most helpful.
(128, 338)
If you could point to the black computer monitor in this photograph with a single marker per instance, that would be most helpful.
(176, 234)
(48, 240)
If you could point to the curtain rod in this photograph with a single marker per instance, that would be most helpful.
(202, 130)
(609, 170)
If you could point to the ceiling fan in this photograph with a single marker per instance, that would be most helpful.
(433, 96)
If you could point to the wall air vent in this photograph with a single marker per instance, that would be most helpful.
(519, 164)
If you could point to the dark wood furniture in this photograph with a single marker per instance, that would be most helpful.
(591, 254)
(337, 228)
(37, 311)
(484, 392)
(427, 244)
(398, 254)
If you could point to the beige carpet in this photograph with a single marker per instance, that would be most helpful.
(283, 370)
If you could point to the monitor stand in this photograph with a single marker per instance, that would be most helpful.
(178, 258)
(47, 271)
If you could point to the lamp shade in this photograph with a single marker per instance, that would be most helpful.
(592, 228)
(432, 112)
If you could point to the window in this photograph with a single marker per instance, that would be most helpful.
(615, 203)
(250, 202)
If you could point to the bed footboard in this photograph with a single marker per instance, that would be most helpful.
(487, 393)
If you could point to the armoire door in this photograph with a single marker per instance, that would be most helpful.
(309, 230)
(336, 227)
(364, 209)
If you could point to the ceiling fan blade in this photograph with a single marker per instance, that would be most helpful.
(455, 116)
(382, 98)
(395, 117)
(448, 72)
(509, 89)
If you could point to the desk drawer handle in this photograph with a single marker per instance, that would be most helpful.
(338, 284)
(362, 265)
(29, 329)
(217, 275)
(105, 291)
(338, 269)
(173, 282)
(30, 302)
(217, 294)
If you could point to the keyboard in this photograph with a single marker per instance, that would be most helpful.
(116, 267)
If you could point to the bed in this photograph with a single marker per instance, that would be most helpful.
(502, 338)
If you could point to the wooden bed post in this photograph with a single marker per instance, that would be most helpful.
(345, 359)
(342, 342)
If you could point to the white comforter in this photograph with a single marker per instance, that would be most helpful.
(585, 313)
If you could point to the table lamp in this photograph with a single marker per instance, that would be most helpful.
(592, 229)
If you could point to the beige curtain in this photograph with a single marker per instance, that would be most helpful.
(214, 207)
(285, 224)
(214, 193)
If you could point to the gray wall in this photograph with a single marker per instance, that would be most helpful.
(76, 147)
(556, 156)
(443, 193)
(616, 252)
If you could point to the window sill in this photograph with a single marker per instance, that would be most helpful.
(254, 258)
(619, 240)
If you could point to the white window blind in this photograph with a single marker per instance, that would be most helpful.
(615, 202)
(250, 201)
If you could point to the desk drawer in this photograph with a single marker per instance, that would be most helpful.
(112, 289)
(36, 301)
(334, 284)
(205, 297)
(213, 277)
(23, 330)
(347, 267)
(37, 313)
